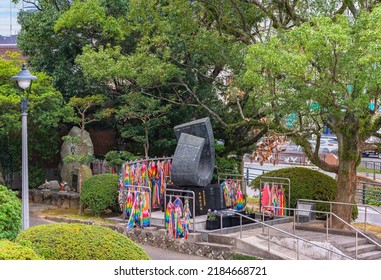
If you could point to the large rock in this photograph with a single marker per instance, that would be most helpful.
(69, 148)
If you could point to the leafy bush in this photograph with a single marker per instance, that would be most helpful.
(80, 242)
(10, 214)
(373, 196)
(13, 251)
(100, 192)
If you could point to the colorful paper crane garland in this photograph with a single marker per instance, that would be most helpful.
(233, 194)
(177, 218)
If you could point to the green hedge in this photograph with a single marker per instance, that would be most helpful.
(100, 192)
(13, 251)
(10, 214)
(80, 242)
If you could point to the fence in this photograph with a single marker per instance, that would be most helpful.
(368, 193)
(372, 169)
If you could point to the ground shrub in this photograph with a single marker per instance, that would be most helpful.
(10, 214)
(306, 184)
(80, 242)
(100, 192)
(14, 251)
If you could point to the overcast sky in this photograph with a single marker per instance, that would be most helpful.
(8, 18)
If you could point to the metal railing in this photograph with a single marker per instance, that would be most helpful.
(298, 238)
(296, 211)
(368, 192)
(348, 204)
(372, 169)
(182, 196)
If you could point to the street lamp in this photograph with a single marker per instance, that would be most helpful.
(24, 80)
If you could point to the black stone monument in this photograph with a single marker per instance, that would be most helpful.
(193, 165)
(193, 161)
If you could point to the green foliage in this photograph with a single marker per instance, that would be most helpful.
(373, 196)
(139, 116)
(100, 192)
(36, 175)
(225, 163)
(118, 158)
(45, 112)
(305, 184)
(80, 242)
(10, 214)
(13, 251)
(242, 257)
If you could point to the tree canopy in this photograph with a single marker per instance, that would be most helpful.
(45, 112)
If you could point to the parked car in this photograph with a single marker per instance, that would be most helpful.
(327, 145)
(370, 153)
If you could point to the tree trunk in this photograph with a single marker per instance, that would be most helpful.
(80, 169)
(146, 145)
(346, 188)
(346, 177)
(80, 172)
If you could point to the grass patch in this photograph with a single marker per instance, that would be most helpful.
(252, 200)
(368, 170)
(73, 214)
(238, 256)
(376, 230)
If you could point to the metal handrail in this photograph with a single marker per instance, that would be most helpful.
(182, 196)
(147, 160)
(344, 203)
(343, 221)
(357, 232)
(327, 227)
(290, 234)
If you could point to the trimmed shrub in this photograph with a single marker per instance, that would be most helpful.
(10, 214)
(305, 184)
(13, 251)
(80, 242)
(100, 192)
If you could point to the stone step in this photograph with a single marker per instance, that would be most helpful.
(362, 249)
(258, 247)
(216, 246)
(222, 239)
(374, 255)
(349, 244)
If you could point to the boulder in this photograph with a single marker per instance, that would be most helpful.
(69, 148)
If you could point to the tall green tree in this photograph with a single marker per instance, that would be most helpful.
(50, 52)
(148, 112)
(326, 73)
(45, 112)
(182, 52)
(83, 115)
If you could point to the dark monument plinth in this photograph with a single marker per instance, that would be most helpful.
(193, 161)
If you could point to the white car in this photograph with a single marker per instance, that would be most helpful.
(326, 146)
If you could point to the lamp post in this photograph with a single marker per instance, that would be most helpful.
(24, 80)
